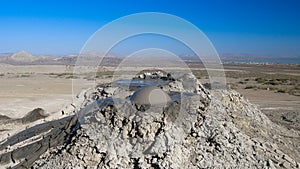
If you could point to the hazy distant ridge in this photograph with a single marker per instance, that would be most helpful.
(25, 58)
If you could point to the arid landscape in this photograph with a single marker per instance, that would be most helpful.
(36, 96)
(24, 87)
(27, 84)
(149, 84)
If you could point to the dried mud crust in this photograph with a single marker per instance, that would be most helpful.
(204, 129)
(200, 128)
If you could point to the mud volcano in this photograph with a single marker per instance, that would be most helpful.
(193, 128)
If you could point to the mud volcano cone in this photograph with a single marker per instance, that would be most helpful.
(205, 128)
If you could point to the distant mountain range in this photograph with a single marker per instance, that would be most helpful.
(25, 58)
(252, 58)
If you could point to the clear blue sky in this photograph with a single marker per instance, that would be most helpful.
(263, 27)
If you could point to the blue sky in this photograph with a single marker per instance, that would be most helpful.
(268, 27)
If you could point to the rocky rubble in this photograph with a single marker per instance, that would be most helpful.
(198, 128)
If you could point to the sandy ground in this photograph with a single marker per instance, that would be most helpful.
(18, 96)
(24, 88)
(268, 100)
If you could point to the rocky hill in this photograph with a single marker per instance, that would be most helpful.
(198, 128)
(25, 58)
